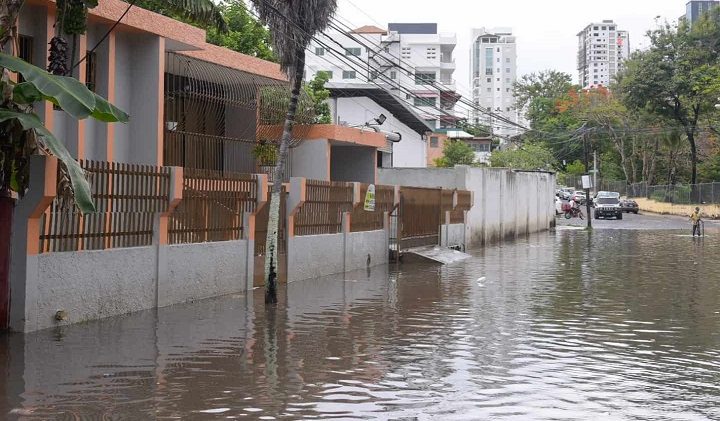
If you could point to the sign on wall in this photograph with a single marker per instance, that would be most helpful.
(370, 199)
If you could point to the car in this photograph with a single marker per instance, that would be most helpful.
(579, 196)
(629, 205)
(604, 194)
(558, 206)
(608, 207)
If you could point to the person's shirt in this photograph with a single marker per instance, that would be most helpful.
(695, 217)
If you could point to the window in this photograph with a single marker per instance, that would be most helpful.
(424, 78)
(498, 89)
(434, 141)
(507, 80)
(349, 74)
(319, 51)
(373, 74)
(507, 109)
(353, 51)
(595, 28)
(26, 51)
(498, 49)
(498, 59)
(489, 89)
(327, 73)
(498, 79)
(507, 60)
(489, 80)
(408, 96)
(393, 74)
(507, 70)
(424, 102)
(498, 70)
(91, 70)
(507, 89)
(488, 61)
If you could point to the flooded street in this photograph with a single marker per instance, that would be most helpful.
(618, 324)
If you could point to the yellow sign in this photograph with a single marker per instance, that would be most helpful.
(370, 199)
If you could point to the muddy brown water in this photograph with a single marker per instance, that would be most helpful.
(612, 325)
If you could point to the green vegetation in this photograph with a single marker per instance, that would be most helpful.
(530, 156)
(655, 124)
(456, 152)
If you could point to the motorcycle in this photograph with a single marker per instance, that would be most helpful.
(571, 211)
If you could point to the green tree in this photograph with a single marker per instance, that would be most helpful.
(292, 25)
(456, 152)
(319, 95)
(532, 156)
(575, 168)
(545, 84)
(677, 77)
(244, 34)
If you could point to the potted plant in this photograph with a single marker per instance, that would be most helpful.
(266, 155)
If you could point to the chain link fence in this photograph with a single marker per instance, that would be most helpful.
(682, 194)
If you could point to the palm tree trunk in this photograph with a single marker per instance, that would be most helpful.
(271, 255)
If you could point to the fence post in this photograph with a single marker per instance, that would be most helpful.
(160, 236)
(25, 235)
(346, 239)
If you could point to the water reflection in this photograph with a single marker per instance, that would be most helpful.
(613, 325)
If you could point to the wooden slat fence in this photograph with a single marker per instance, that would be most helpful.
(213, 206)
(464, 203)
(360, 220)
(261, 223)
(325, 203)
(127, 198)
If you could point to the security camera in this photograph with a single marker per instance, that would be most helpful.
(394, 137)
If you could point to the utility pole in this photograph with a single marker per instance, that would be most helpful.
(587, 166)
(595, 171)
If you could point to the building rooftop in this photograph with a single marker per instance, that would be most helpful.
(370, 29)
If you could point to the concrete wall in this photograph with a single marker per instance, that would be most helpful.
(90, 285)
(311, 159)
(314, 256)
(352, 163)
(452, 235)
(507, 203)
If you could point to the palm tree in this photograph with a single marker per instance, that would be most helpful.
(292, 23)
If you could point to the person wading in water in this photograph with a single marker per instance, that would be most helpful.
(696, 219)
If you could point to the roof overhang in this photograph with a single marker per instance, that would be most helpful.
(385, 99)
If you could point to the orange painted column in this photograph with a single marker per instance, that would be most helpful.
(82, 77)
(49, 33)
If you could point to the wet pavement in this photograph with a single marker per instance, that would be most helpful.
(611, 325)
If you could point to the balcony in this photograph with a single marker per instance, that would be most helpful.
(447, 64)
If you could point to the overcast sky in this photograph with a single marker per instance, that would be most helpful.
(546, 30)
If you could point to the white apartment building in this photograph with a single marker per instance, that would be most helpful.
(493, 71)
(412, 60)
(602, 51)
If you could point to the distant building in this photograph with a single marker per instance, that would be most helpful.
(493, 65)
(695, 8)
(412, 60)
(602, 51)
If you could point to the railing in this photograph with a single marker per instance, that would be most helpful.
(212, 207)
(361, 220)
(127, 198)
(207, 152)
(322, 212)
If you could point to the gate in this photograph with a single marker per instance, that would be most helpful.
(419, 217)
(261, 222)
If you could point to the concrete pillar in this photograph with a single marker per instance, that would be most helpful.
(25, 237)
(346, 220)
(296, 199)
(160, 237)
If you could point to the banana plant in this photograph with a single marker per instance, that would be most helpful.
(24, 133)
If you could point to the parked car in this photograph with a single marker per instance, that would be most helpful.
(558, 206)
(604, 194)
(608, 207)
(579, 196)
(629, 205)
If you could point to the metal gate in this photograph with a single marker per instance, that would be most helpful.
(419, 217)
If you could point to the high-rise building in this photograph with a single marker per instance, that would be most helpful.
(413, 60)
(602, 51)
(493, 71)
(695, 8)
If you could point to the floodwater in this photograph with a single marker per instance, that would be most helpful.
(613, 325)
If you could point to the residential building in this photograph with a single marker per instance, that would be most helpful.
(695, 8)
(493, 71)
(602, 51)
(412, 60)
(359, 105)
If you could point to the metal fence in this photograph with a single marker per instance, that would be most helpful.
(212, 207)
(127, 198)
(464, 203)
(325, 203)
(685, 194)
(419, 217)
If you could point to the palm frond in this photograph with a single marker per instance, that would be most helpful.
(200, 11)
(292, 24)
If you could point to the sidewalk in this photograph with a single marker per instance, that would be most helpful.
(661, 208)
